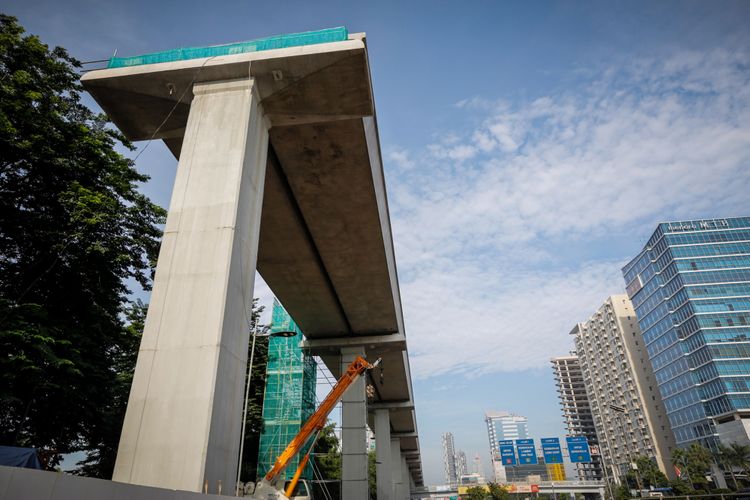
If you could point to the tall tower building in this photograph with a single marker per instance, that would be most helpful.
(629, 416)
(577, 411)
(461, 466)
(502, 425)
(449, 459)
(690, 286)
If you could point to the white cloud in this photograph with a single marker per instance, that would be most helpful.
(401, 158)
(481, 214)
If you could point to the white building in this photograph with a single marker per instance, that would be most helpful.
(629, 415)
(449, 459)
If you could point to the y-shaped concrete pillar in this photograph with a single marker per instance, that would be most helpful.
(383, 454)
(182, 425)
(353, 433)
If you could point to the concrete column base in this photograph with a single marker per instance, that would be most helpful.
(354, 484)
(383, 464)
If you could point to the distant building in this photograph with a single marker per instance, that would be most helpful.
(502, 425)
(629, 416)
(449, 459)
(576, 410)
(461, 467)
(690, 286)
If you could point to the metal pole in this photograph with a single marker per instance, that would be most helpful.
(244, 412)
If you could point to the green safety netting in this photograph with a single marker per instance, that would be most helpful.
(269, 43)
(289, 398)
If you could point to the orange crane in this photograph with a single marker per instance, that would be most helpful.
(312, 427)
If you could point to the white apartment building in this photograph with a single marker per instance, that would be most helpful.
(629, 415)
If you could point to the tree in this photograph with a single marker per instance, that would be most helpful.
(372, 473)
(649, 473)
(733, 457)
(104, 435)
(326, 453)
(254, 423)
(73, 229)
(475, 493)
(497, 492)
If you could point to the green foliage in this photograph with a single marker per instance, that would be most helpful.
(497, 492)
(680, 487)
(254, 424)
(475, 493)
(327, 455)
(649, 473)
(622, 492)
(372, 476)
(73, 229)
(733, 459)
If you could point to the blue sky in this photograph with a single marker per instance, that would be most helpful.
(530, 148)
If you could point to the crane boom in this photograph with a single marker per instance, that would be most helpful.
(318, 419)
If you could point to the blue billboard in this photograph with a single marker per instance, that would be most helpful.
(526, 451)
(552, 451)
(507, 453)
(578, 449)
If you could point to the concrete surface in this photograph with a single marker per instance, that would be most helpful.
(28, 484)
(325, 245)
(182, 425)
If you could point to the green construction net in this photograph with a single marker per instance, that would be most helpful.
(289, 399)
(272, 42)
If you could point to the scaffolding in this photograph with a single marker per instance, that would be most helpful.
(289, 398)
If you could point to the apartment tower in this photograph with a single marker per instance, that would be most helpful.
(629, 416)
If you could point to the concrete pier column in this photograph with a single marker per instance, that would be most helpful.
(182, 426)
(353, 433)
(383, 454)
(405, 478)
(396, 470)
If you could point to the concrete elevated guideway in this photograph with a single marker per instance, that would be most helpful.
(279, 169)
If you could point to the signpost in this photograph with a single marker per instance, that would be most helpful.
(507, 453)
(578, 449)
(526, 451)
(552, 451)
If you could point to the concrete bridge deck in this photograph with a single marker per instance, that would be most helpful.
(325, 244)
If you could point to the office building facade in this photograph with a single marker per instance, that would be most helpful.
(629, 416)
(576, 411)
(690, 286)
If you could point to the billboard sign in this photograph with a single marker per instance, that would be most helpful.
(578, 449)
(552, 451)
(526, 451)
(507, 453)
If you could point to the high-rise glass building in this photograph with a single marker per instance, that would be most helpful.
(690, 286)
(502, 425)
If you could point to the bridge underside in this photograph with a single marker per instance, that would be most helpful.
(325, 246)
